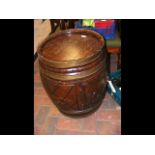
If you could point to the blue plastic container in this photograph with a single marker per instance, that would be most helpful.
(116, 96)
(107, 33)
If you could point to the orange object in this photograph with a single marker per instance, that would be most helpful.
(114, 50)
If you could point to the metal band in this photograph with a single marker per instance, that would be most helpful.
(73, 76)
(73, 63)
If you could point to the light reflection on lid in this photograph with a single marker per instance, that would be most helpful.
(83, 36)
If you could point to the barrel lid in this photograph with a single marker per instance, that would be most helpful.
(71, 44)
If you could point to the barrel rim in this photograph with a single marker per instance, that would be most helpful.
(78, 61)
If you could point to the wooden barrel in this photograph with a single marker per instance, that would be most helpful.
(73, 70)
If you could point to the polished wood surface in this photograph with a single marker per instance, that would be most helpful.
(73, 70)
(71, 47)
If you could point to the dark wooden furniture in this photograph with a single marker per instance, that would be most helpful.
(57, 22)
(114, 47)
(73, 70)
(63, 24)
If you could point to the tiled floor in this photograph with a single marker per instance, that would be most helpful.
(47, 118)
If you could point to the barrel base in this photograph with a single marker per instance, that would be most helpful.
(82, 112)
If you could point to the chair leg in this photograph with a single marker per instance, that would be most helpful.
(71, 23)
(118, 61)
(62, 24)
(53, 27)
(108, 63)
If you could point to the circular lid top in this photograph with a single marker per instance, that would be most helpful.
(72, 44)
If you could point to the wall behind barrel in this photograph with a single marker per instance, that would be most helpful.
(41, 31)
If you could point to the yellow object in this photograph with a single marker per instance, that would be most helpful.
(88, 22)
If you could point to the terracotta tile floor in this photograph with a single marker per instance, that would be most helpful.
(48, 120)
